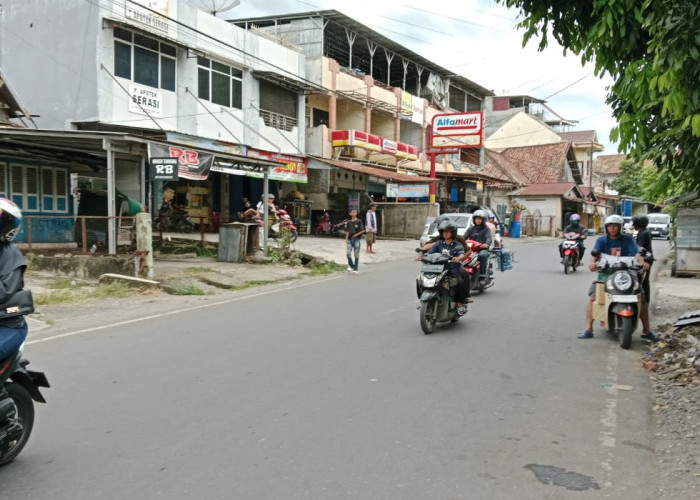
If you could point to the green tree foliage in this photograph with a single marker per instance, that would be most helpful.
(628, 182)
(651, 48)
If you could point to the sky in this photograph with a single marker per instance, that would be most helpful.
(477, 39)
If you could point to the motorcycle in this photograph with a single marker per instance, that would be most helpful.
(473, 268)
(571, 253)
(616, 303)
(283, 226)
(18, 387)
(326, 228)
(436, 291)
(173, 219)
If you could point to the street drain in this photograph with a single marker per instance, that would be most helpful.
(548, 474)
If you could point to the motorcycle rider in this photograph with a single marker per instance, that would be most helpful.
(13, 331)
(643, 239)
(480, 233)
(448, 244)
(575, 227)
(617, 244)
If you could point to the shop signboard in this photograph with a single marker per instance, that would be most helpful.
(291, 169)
(457, 130)
(164, 169)
(418, 114)
(152, 13)
(407, 190)
(192, 164)
(145, 101)
(406, 105)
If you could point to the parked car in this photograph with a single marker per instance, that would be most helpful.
(462, 221)
(660, 225)
(627, 226)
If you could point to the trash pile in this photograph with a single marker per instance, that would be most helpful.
(676, 358)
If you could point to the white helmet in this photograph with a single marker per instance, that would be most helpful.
(480, 213)
(613, 219)
(10, 220)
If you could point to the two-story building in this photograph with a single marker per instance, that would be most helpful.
(375, 102)
(117, 82)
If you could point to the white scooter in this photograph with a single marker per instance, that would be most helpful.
(618, 299)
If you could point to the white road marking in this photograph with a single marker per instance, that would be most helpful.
(178, 311)
(608, 417)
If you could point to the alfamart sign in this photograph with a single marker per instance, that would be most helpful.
(458, 130)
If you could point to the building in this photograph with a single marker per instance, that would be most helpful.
(374, 104)
(125, 81)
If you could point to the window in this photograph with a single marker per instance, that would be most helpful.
(219, 83)
(320, 117)
(24, 186)
(3, 180)
(144, 60)
(54, 190)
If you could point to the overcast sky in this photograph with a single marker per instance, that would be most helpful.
(477, 39)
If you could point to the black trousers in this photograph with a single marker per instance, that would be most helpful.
(462, 288)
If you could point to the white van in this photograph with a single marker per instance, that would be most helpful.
(660, 225)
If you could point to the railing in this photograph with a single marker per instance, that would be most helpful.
(277, 120)
(89, 234)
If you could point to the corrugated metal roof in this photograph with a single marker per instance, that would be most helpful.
(377, 171)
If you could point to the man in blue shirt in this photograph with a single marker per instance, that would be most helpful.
(613, 243)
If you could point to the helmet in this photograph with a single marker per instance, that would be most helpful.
(640, 221)
(10, 220)
(285, 217)
(480, 213)
(574, 217)
(281, 212)
(448, 225)
(613, 219)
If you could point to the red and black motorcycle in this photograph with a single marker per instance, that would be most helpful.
(326, 228)
(571, 253)
(473, 267)
(284, 226)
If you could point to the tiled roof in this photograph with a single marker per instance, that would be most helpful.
(499, 167)
(540, 164)
(551, 189)
(383, 173)
(580, 136)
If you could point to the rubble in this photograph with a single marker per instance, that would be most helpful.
(676, 358)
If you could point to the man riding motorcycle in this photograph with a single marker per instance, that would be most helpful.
(448, 244)
(480, 233)
(575, 227)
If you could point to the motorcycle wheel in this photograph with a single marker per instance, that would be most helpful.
(625, 336)
(293, 236)
(24, 406)
(427, 318)
(319, 232)
(567, 264)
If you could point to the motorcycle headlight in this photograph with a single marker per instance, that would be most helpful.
(429, 281)
(623, 281)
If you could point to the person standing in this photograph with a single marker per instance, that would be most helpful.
(643, 239)
(13, 330)
(371, 227)
(353, 235)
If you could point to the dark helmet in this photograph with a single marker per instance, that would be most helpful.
(640, 221)
(448, 225)
(10, 220)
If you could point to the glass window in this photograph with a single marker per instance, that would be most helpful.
(167, 73)
(220, 89)
(122, 60)
(144, 60)
(203, 84)
(145, 67)
(236, 94)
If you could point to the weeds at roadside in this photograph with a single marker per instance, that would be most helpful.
(189, 290)
(251, 283)
(65, 283)
(82, 294)
(326, 268)
(198, 269)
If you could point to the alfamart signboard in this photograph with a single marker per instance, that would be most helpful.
(458, 130)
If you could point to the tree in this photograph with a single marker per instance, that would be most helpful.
(628, 182)
(651, 50)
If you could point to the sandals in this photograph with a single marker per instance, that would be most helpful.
(585, 334)
(651, 336)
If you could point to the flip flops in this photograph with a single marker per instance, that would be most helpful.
(585, 334)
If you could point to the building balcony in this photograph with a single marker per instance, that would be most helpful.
(374, 144)
(277, 120)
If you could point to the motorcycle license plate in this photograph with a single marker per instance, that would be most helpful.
(432, 268)
(629, 299)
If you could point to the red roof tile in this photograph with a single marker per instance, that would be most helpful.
(580, 136)
(609, 164)
(540, 164)
(551, 189)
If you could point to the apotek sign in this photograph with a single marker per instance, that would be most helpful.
(458, 130)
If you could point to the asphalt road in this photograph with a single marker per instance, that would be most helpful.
(328, 389)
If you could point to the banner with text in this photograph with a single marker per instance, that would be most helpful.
(407, 190)
(192, 164)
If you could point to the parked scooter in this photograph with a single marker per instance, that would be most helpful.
(436, 291)
(18, 387)
(473, 268)
(571, 253)
(326, 228)
(617, 299)
(173, 219)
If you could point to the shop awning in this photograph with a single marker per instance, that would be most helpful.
(298, 86)
(382, 173)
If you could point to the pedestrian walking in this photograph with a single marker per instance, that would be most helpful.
(355, 229)
(371, 227)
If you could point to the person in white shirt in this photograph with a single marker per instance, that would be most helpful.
(371, 227)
